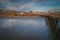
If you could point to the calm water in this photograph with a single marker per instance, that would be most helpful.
(24, 29)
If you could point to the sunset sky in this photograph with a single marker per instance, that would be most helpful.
(30, 5)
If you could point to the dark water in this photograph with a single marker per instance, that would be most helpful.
(24, 29)
(59, 23)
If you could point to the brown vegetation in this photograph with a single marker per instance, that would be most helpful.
(9, 13)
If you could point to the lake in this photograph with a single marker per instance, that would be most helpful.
(34, 28)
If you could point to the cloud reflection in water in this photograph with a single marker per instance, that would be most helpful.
(27, 27)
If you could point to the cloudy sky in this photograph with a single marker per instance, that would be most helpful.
(30, 5)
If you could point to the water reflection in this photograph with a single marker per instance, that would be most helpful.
(59, 23)
(24, 29)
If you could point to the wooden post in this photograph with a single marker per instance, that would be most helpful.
(53, 25)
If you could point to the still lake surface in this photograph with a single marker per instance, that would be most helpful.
(24, 29)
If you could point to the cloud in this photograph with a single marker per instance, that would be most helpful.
(24, 5)
(55, 9)
(39, 1)
(20, 7)
(14, 5)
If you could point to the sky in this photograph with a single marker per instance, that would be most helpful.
(30, 5)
